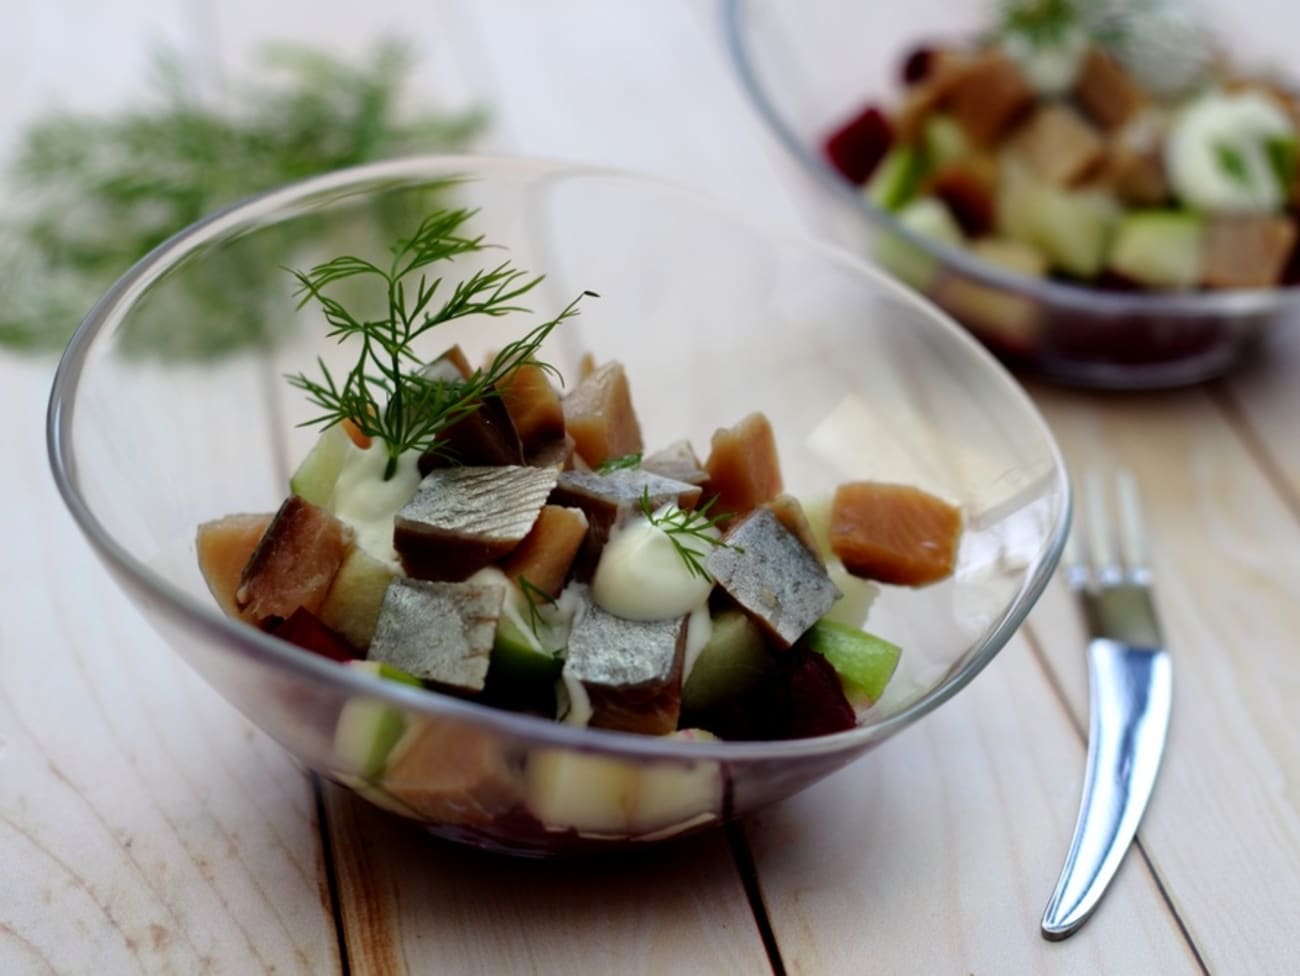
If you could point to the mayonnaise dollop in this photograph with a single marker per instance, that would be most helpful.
(1050, 67)
(641, 575)
(366, 502)
(1217, 152)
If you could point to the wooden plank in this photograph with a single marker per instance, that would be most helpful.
(144, 825)
(414, 905)
(411, 905)
(1227, 557)
(1264, 396)
(940, 849)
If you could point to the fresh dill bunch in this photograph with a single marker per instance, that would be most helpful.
(91, 194)
(386, 393)
(536, 598)
(683, 527)
(1043, 22)
(621, 463)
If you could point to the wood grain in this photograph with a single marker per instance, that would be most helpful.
(1263, 402)
(1227, 560)
(145, 826)
(944, 844)
(414, 905)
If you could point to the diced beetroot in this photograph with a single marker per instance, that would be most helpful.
(918, 65)
(295, 563)
(968, 194)
(817, 702)
(305, 629)
(856, 148)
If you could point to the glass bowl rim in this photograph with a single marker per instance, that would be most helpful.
(1076, 297)
(238, 638)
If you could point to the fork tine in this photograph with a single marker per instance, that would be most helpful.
(1132, 534)
(1103, 555)
(1074, 563)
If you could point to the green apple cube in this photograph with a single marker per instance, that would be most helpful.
(944, 141)
(864, 662)
(588, 793)
(1072, 228)
(1160, 249)
(368, 729)
(911, 265)
(896, 178)
(314, 480)
(734, 659)
(526, 647)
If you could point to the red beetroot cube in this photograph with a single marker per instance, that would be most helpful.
(305, 629)
(858, 146)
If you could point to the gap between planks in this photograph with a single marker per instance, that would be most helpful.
(1257, 446)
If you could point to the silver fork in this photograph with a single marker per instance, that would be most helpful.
(1130, 676)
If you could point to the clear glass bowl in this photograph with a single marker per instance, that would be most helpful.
(808, 67)
(713, 318)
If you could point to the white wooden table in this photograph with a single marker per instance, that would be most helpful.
(146, 827)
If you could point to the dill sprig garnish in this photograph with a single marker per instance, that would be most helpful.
(682, 527)
(385, 393)
(620, 463)
(1044, 22)
(535, 597)
(89, 194)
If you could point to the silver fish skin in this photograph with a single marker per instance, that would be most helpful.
(677, 461)
(624, 489)
(490, 504)
(772, 576)
(611, 652)
(439, 632)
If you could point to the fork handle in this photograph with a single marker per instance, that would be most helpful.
(1128, 719)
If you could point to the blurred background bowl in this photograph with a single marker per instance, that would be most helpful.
(809, 67)
(713, 318)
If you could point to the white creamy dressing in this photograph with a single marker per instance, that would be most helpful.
(1241, 124)
(367, 503)
(1163, 44)
(1051, 69)
(641, 576)
(699, 628)
(574, 705)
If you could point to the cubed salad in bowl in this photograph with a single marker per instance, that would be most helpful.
(1106, 190)
(559, 510)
